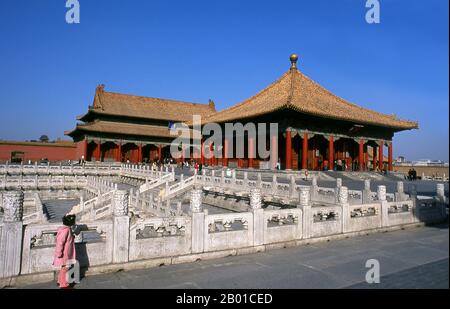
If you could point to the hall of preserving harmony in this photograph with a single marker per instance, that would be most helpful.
(317, 130)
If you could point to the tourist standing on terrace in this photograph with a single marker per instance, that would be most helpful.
(65, 250)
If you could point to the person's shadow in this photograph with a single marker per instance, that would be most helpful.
(80, 249)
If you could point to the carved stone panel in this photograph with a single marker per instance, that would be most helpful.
(120, 203)
(13, 206)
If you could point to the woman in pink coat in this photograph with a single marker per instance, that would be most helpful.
(65, 249)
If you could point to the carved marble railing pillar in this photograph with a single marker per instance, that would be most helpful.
(336, 190)
(81, 202)
(413, 196)
(343, 202)
(305, 205)
(443, 201)
(258, 180)
(366, 192)
(314, 188)
(381, 196)
(342, 195)
(400, 194)
(233, 177)
(258, 216)
(292, 185)
(245, 179)
(121, 226)
(440, 192)
(274, 184)
(198, 220)
(11, 234)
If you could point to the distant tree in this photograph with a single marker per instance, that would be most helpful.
(44, 138)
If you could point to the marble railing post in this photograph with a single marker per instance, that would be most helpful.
(81, 202)
(274, 184)
(258, 216)
(400, 194)
(258, 180)
(440, 195)
(440, 192)
(121, 226)
(167, 208)
(336, 190)
(203, 176)
(305, 205)
(381, 196)
(150, 204)
(198, 220)
(245, 182)
(222, 177)
(292, 185)
(179, 210)
(366, 192)
(314, 188)
(11, 234)
(343, 202)
(166, 190)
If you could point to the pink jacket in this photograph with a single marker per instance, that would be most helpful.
(65, 246)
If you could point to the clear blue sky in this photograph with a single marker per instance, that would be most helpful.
(227, 51)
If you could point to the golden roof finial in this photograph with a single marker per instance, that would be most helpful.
(294, 59)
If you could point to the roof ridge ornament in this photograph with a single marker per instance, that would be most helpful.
(99, 90)
(293, 59)
(211, 104)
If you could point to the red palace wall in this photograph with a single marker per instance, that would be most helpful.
(36, 151)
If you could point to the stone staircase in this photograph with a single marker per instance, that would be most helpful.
(56, 209)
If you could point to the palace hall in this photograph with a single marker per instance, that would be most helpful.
(317, 130)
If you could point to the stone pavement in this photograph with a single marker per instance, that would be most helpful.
(411, 258)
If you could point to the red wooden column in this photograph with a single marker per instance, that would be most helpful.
(331, 153)
(85, 143)
(366, 158)
(288, 150)
(374, 154)
(202, 155)
(314, 147)
(212, 160)
(390, 157)
(182, 153)
(97, 154)
(361, 155)
(225, 152)
(159, 152)
(305, 151)
(251, 150)
(380, 156)
(119, 152)
(139, 156)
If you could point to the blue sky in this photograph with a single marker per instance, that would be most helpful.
(226, 51)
